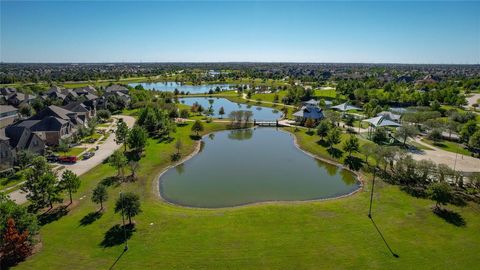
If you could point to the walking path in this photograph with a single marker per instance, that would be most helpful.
(455, 161)
(83, 166)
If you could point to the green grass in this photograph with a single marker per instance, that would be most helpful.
(6, 182)
(449, 146)
(310, 235)
(104, 125)
(74, 151)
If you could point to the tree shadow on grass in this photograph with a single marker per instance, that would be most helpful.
(450, 216)
(335, 152)
(354, 163)
(195, 137)
(165, 139)
(111, 180)
(322, 142)
(52, 215)
(90, 218)
(417, 192)
(116, 236)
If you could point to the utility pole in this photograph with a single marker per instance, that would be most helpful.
(371, 194)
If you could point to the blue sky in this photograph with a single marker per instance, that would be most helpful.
(394, 32)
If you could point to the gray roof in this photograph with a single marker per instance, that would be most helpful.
(75, 107)
(312, 102)
(116, 87)
(7, 90)
(7, 108)
(381, 121)
(309, 112)
(345, 107)
(390, 115)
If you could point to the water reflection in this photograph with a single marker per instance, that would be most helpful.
(180, 168)
(241, 134)
(252, 165)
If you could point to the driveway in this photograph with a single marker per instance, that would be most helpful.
(458, 161)
(104, 151)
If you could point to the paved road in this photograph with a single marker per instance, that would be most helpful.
(83, 166)
(439, 156)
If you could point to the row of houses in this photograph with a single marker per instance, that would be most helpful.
(51, 124)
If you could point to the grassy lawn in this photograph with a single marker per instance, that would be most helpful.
(94, 136)
(104, 125)
(74, 151)
(311, 235)
(6, 182)
(449, 146)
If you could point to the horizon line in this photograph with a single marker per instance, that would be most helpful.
(247, 62)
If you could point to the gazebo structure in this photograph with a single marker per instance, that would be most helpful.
(344, 107)
(309, 110)
(380, 121)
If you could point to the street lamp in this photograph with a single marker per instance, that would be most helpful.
(123, 221)
(371, 193)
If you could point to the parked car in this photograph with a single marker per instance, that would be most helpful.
(68, 159)
(88, 155)
(52, 158)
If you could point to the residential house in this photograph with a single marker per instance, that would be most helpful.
(83, 112)
(51, 130)
(16, 99)
(8, 115)
(59, 112)
(14, 139)
(7, 157)
(116, 88)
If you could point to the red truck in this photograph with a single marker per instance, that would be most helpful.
(68, 159)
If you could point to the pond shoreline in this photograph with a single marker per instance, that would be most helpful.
(156, 183)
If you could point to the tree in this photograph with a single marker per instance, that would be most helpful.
(379, 135)
(368, 150)
(134, 165)
(104, 114)
(129, 204)
(40, 184)
(137, 138)
(16, 246)
(333, 137)
(121, 134)
(440, 192)
(26, 110)
(221, 112)
(24, 220)
(406, 131)
(349, 119)
(435, 135)
(322, 129)
(333, 116)
(178, 145)
(118, 161)
(100, 195)
(184, 113)
(70, 182)
(63, 146)
(309, 123)
(197, 127)
(468, 129)
(474, 141)
(24, 158)
(351, 145)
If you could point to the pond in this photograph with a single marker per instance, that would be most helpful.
(259, 113)
(237, 167)
(171, 86)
